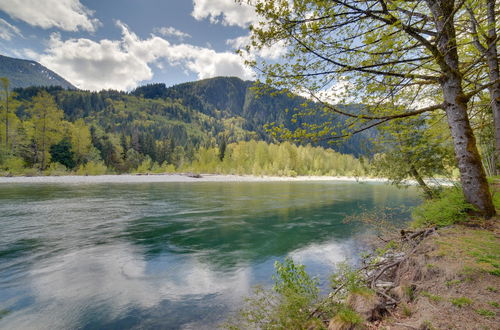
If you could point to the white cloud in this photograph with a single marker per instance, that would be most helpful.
(168, 31)
(123, 64)
(69, 15)
(107, 64)
(115, 278)
(240, 42)
(226, 11)
(208, 63)
(341, 91)
(8, 31)
(329, 253)
(272, 52)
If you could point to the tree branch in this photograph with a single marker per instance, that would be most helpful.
(396, 116)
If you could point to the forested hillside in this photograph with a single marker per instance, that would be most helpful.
(230, 97)
(157, 127)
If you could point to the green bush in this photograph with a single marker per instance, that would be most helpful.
(349, 279)
(287, 306)
(292, 278)
(92, 168)
(31, 171)
(349, 317)
(448, 208)
(56, 169)
(496, 199)
(145, 166)
(486, 313)
(12, 165)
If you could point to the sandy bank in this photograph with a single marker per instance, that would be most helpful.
(131, 178)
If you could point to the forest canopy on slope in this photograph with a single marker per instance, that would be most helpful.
(206, 126)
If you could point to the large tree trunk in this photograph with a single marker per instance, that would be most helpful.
(472, 174)
(494, 75)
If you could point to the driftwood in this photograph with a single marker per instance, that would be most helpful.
(381, 274)
(379, 271)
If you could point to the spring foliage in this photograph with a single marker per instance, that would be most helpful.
(45, 139)
(286, 306)
(286, 159)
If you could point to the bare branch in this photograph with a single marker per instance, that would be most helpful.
(480, 88)
(368, 117)
(365, 69)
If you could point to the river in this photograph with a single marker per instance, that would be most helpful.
(170, 255)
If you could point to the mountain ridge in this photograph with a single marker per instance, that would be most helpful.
(25, 73)
(193, 113)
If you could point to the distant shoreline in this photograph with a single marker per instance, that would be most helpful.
(152, 178)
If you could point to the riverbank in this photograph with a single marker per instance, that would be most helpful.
(425, 279)
(190, 177)
(442, 272)
(133, 178)
(450, 280)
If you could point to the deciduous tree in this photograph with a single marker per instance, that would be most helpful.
(395, 56)
(46, 120)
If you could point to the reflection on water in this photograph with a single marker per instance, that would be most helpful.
(165, 255)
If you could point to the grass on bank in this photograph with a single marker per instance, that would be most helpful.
(448, 208)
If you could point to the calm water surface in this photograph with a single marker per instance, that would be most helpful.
(165, 255)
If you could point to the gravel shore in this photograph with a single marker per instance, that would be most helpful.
(131, 178)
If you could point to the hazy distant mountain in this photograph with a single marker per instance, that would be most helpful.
(25, 73)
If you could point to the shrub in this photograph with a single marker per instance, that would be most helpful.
(348, 279)
(13, 165)
(286, 306)
(92, 168)
(145, 166)
(496, 199)
(431, 296)
(449, 208)
(406, 310)
(168, 168)
(56, 169)
(349, 317)
(296, 290)
(30, 171)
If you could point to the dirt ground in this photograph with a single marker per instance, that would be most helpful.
(451, 282)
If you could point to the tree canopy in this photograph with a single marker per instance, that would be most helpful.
(399, 58)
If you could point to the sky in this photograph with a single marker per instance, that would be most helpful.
(122, 44)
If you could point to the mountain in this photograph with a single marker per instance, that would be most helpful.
(25, 73)
(200, 113)
(231, 97)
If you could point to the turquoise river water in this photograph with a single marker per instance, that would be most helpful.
(166, 255)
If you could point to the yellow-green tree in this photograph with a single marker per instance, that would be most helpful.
(46, 127)
(9, 120)
(393, 55)
(81, 142)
